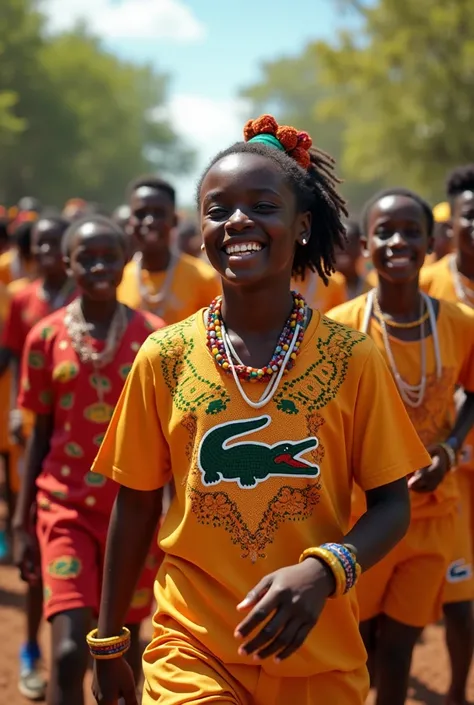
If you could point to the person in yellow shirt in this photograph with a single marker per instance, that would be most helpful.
(159, 279)
(349, 262)
(429, 345)
(452, 279)
(17, 261)
(443, 242)
(263, 413)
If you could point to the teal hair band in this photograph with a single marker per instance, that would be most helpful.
(269, 140)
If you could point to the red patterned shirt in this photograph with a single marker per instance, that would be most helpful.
(27, 307)
(54, 381)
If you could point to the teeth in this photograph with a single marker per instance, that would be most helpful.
(244, 247)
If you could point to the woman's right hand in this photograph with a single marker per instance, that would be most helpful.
(113, 679)
(26, 554)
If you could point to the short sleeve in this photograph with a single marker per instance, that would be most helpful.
(12, 331)
(134, 451)
(36, 389)
(385, 446)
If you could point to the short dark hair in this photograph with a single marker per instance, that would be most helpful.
(4, 234)
(315, 189)
(61, 223)
(153, 182)
(96, 219)
(22, 237)
(396, 191)
(353, 229)
(459, 180)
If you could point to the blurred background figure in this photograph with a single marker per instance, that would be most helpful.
(443, 242)
(188, 238)
(75, 208)
(349, 262)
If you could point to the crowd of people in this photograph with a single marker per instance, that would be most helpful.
(258, 425)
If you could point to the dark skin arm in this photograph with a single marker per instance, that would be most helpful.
(25, 547)
(16, 423)
(428, 479)
(5, 359)
(132, 525)
(290, 600)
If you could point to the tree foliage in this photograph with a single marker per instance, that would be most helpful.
(391, 96)
(405, 80)
(74, 119)
(292, 90)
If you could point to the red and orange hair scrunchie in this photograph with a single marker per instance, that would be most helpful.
(266, 130)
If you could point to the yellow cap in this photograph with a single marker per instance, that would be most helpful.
(442, 212)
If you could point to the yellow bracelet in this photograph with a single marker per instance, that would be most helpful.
(332, 563)
(109, 647)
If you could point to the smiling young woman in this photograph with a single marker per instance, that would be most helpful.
(74, 365)
(429, 345)
(240, 405)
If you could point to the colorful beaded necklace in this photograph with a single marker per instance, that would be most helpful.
(217, 346)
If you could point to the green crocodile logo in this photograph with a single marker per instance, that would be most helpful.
(247, 463)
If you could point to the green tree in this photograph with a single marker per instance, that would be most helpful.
(405, 79)
(291, 89)
(74, 119)
(115, 107)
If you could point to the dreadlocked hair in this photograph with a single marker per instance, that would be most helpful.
(315, 189)
(459, 180)
(424, 205)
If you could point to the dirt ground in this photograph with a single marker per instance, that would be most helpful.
(430, 673)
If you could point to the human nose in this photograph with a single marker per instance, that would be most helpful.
(397, 240)
(98, 266)
(239, 220)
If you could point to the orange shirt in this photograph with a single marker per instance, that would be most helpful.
(81, 400)
(11, 268)
(317, 295)
(255, 487)
(437, 281)
(435, 418)
(194, 285)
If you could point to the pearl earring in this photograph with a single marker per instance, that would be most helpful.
(304, 241)
(202, 247)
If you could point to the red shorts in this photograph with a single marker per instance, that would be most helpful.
(72, 560)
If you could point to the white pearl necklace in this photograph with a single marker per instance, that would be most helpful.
(412, 394)
(463, 293)
(273, 384)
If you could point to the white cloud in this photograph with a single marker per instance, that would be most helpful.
(127, 19)
(208, 125)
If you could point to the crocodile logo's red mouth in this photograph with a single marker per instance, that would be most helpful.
(289, 460)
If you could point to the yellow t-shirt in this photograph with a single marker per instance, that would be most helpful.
(317, 295)
(437, 281)
(254, 488)
(435, 418)
(193, 287)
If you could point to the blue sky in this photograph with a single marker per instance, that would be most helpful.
(210, 49)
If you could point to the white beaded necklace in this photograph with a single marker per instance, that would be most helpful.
(273, 384)
(412, 394)
(155, 302)
(463, 293)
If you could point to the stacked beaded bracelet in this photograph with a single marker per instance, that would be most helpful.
(450, 452)
(111, 647)
(342, 562)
